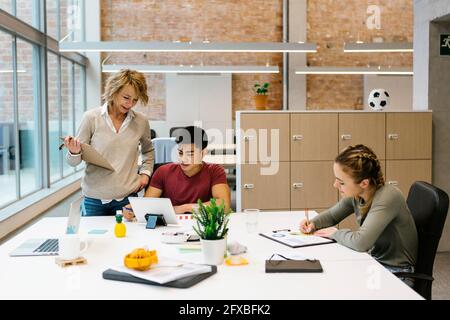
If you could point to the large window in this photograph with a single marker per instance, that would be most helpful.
(7, 6)
(80, 94)
(28, 117)
(8, 183)
(26, 10)
(38, 90)
(65, 19)
(67, 108)
(54, 117)
(53, 18)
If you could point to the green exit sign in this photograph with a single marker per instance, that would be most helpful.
(445, 45)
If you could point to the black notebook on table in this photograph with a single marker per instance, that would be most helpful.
(182, 283)
(274, 266)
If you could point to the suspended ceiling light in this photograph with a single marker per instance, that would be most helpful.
(379, 47)
(356, 70)
(204, 46)
(191, 69)
(11, 71)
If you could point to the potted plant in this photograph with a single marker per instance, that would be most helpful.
(261, 95)
(211, 225)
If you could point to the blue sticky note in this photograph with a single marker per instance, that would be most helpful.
(97, 231)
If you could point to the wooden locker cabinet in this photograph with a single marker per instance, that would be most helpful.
(402, 173)
(408, 135)
(306, 179)
(363, 128)
(265, 192)
(252, 138)
(310, 136)
(309, 142)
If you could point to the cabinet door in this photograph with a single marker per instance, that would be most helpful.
(363, 128)
(313, 136)
(408, 135)
(257, 131)
(265, 192)
(402, 173)
(312, 185)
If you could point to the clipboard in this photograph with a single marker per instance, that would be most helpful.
(296, 241)
(90, 155)
(182, 283)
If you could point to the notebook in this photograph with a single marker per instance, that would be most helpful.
(273, 266)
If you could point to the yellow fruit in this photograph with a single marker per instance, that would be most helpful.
(141, 259)
(120, 230)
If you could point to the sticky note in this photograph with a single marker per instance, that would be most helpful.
(186, 249)
(97, 231)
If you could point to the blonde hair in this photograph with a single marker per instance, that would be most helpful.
(117, 81)
(360, 162)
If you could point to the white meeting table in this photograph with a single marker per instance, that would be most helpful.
(347, 274)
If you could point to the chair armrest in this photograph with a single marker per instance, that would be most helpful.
(420, 276)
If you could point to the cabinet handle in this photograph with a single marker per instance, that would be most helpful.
(346, 137)
(249, 186)
(297, 185)
(297, 137)
(248, 138)
(393, 136)
(393, 183)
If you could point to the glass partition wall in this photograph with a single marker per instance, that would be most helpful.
(42, 93)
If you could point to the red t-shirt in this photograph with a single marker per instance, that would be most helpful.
(181, 189)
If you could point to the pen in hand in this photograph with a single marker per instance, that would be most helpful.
(62, 144)
(308, 223)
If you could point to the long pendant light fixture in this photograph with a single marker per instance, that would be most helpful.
(11, 71)
(176, 46)
(356, 70)
(111, 68)
(379, 47)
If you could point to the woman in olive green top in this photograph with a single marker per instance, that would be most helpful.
(387, 229)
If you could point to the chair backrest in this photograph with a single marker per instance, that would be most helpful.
(428, 205)
(165, 150)
(173, 131)
(152, 134)
(155, 167)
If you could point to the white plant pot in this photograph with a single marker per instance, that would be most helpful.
(214, 251)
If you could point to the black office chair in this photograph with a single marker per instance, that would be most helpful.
(173, 131)
(152, 134)
(428, 205)
(155, 167)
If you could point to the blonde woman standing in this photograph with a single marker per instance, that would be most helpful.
(115, 131)
(386, 227)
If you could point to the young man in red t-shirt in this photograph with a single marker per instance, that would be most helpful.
(190, 179)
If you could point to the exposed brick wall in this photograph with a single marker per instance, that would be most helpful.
(195, 20)
(333, 22)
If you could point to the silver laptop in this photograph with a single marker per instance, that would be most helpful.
(49, 247)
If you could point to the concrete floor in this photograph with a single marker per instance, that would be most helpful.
(441, 285)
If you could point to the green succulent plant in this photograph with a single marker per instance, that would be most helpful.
(211, 221)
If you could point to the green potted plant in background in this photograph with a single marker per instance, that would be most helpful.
(211, 225)
(261, 95)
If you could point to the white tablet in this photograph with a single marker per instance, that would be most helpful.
(141, 206)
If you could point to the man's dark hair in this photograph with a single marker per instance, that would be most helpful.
(192, 135)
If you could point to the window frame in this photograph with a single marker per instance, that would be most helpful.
(42, 45)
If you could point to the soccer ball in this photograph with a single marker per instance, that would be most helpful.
(378, 99)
